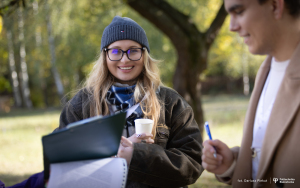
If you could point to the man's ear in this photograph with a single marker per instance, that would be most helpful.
(278, 8)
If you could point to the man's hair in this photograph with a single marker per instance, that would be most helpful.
(292, 5)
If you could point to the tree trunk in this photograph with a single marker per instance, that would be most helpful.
(191, 45)
(245, 73)
(38, 42)
(24, 74)
(12, 66)
(58, 83)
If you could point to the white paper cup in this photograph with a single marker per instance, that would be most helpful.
(143, 126)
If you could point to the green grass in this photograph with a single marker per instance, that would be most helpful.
(20, 142)
(21, 132)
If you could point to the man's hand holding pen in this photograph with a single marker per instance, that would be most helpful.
(216, 156)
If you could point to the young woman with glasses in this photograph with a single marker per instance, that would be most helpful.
(126, 75)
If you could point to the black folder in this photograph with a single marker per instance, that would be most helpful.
(92, 138)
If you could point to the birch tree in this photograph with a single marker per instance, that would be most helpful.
(12, 65)
(23, 72)
(58, 83)
(41, 82)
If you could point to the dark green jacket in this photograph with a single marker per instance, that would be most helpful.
(175, 158)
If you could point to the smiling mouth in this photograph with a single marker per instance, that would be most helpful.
(246, 38)
(125, 68)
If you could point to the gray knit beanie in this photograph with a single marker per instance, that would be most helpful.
(123, 28)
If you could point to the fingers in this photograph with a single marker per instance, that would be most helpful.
(144, 138)
(144, 135)
(125, 142)
(212, 152)
(147, 141)
(211, 160)
(126, 149)
(208, 155)
(218, 145)
(209, 167)
(208, 150)
(223, 160)
(215, 143)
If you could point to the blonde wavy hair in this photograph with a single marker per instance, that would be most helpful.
(100, 80)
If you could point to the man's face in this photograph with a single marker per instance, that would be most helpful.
(254, 22)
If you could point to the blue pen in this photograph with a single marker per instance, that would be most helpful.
(209, 136)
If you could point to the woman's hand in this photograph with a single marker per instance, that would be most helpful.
(142, 138)
(125, 149)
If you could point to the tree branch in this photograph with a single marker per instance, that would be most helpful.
(214, 28)
(12, 3)
(169, 20)
(182, 20)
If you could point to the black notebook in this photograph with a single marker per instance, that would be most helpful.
(92, 138)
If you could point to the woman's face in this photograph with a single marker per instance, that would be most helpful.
(122, 68)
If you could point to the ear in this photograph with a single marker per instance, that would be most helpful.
(278, 8)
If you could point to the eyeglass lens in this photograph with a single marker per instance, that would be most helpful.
(132, 54)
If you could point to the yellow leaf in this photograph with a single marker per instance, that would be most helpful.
(1, 23)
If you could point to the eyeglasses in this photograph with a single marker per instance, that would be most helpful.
(133, 54)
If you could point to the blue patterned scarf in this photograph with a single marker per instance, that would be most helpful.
(121, 99)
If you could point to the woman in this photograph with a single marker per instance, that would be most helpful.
(126, 75)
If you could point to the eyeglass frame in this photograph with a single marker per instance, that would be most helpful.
(107, 49)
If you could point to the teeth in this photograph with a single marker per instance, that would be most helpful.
(125, 68)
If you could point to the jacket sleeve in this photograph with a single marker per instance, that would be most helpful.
(2, 184)
(179, 163)
(34, 181)
(228, 180)
(72, 111)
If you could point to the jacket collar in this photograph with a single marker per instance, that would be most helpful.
(244, 164)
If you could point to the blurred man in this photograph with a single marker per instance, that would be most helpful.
(269, 153)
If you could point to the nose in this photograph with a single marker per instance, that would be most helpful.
(125, 58)
(234, 25)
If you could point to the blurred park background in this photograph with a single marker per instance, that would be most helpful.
(47, 47)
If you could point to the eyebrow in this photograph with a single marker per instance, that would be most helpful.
(234, 7)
